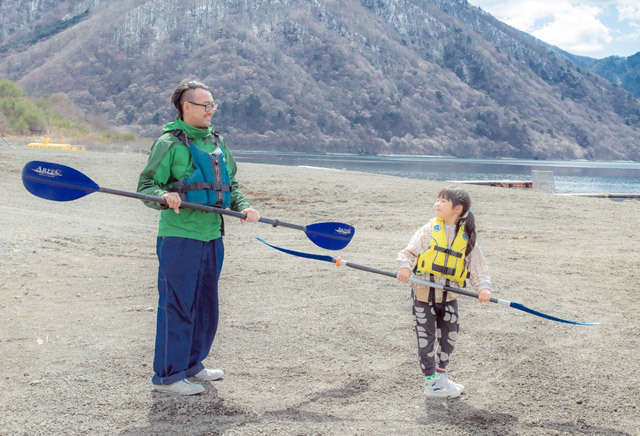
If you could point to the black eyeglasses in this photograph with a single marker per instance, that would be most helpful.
(207, 107)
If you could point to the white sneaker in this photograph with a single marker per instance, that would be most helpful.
(209, 374)
(182, 387)
(442, 387)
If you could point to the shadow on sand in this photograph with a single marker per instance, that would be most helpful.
(208, 414)
(457, 414)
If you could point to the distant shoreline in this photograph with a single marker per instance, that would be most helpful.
(441, 158)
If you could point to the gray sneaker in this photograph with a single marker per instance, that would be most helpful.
(182, 387)
(209, 374)
(442, 387)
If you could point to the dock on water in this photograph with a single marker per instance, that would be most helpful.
(540, 181)
(524, 184)
(622, 195)
(528, 184)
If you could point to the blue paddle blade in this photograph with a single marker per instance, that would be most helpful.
(56, 182)
(544, 315)
(298, 253)
(330, 235)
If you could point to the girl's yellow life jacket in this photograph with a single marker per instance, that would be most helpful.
(441, 259)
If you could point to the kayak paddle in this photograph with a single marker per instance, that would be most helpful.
(62, 183)
(338, 261)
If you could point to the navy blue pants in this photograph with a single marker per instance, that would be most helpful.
(188, 276)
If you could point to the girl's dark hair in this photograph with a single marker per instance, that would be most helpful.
(178, 93)
(458, 196)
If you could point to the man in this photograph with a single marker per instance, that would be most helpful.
(189, 162)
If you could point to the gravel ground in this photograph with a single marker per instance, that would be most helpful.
(308, 348)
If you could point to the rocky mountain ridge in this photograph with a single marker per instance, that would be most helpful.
(437, 77)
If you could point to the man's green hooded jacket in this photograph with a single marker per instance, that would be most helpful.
(170, 161)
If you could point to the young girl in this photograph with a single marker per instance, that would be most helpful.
(443, 251)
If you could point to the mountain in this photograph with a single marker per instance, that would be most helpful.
(437, 77)
(623, 71)
(619, 70)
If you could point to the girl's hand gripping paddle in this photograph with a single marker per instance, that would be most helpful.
(62, 183)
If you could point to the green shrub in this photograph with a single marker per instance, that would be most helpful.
(8, 89)
(118, 137)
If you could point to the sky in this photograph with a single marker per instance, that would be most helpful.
(596, 29)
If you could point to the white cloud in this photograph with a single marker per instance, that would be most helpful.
(526, 15)
(628, 10)
(632, 36)
(575, 29)
(573, 25)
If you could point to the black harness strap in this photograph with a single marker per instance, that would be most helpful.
(439, 308)
(217, 174)
(444, 293)
(432, 291)
(444, 270)
(183, 137)
(448, 251)
(203, 185)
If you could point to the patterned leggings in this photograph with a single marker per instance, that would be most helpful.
(435, 323)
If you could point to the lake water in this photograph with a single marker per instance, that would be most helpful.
(569, 176)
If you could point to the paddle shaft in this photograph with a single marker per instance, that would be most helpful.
(340, 262)
(195, 206)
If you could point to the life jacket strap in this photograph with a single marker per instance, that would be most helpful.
(196, 186)
(448, 251)
(439, 308)
(183, 137)
(432, 291)
(444, 270)
(444, 292)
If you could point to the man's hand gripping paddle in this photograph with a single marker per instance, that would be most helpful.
(338, 261)
(62, 183)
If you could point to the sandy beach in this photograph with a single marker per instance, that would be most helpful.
(308, 348)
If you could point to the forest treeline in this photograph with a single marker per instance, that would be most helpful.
(53, 115)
